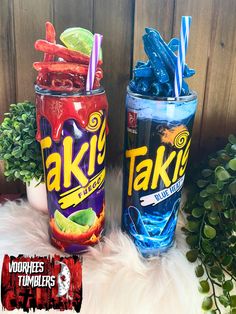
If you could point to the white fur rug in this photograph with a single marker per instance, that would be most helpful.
(115, 279)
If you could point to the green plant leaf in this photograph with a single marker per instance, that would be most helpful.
(232, 188)
(199, 271)
(193, 226)
(206, 173)
(204, 286)
(212, 189)
(192, 255)
(228, 285)
(232, 139)
(224, 300)
(204, 194)
(232, 164)
(29, 141)
(206, 245)
(209, 232)
(216, 271)
(218, 197)
(202, 183)
(7, 156)
(207, 204)
(222, 174)
(227, 214)
(220, 184)
(223, 156)
(198, 212)
(24, 117)
(192, 240)
(213, 163)
(207, 303)
(233, 148)
(213, 218)
(233, 301)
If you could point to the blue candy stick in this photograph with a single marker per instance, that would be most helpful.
(168, 89)
(143, 86)
(157, 64)
(188, 72)
(156, 89)
(168, 54)
(143, 71)
(162, 50)
(173, 44)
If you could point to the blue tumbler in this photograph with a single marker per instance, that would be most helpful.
(157, 143)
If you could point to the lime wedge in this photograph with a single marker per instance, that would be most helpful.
(85, 217)
(79, 39)
(68, 226)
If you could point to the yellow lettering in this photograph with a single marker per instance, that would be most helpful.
(132, 154)
(102, 143)
(177, 165)
(161, 167)
(92, 155)
(72, 167)
(54, 174)
(45, 143)
(142, 180)
(184, 159)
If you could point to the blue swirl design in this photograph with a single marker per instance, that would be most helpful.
(150, 231)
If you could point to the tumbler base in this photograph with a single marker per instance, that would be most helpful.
(151, 252)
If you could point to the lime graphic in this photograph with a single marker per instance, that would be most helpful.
(79, 39)
(67, 225)
(84, 217)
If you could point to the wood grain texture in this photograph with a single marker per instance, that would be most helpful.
(220, 107)
(231, 110)
(72, 13)
(7, 57)
(7, 77)
(30, 17)
(212, 52)
(152, 13)
(198, 51)
(114, 19)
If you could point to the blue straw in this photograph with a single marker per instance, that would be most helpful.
(182, 51)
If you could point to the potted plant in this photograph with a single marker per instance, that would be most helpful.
(21, 152)
(211, 229)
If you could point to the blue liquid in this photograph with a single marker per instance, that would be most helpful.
(152, 227)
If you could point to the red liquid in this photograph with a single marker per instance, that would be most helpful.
(57, 111)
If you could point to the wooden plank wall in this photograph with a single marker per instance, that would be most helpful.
(212, 52)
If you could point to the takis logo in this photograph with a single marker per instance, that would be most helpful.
(62, 167)
(146, 173)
